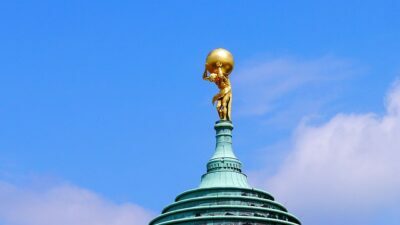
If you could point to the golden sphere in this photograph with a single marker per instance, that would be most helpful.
(220, 55)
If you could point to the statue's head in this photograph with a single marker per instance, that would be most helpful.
(220, 55)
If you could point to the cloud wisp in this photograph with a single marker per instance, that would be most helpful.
(345, 171)
(274, 87)
(64, 205)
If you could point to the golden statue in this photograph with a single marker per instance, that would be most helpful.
(219, 64)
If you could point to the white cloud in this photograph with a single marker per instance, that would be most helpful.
(64, 205)
(276, 86)
(345, 171)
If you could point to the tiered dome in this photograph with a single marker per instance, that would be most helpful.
(224, 197)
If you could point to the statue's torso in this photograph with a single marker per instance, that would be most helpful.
(222, 82)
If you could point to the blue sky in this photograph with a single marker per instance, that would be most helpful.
(107, 97)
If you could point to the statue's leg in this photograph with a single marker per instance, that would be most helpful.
(230, 106)
(219, 104)
(225, 106)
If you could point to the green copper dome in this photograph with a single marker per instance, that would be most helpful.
(224, 197)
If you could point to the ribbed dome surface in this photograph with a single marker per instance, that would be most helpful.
(224, 196)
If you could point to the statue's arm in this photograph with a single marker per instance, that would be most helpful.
(205, 75)
(211, 77)
(220, 73)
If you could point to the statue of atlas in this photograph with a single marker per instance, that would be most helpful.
(219, 64)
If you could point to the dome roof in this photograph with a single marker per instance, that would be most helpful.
(224, 197)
